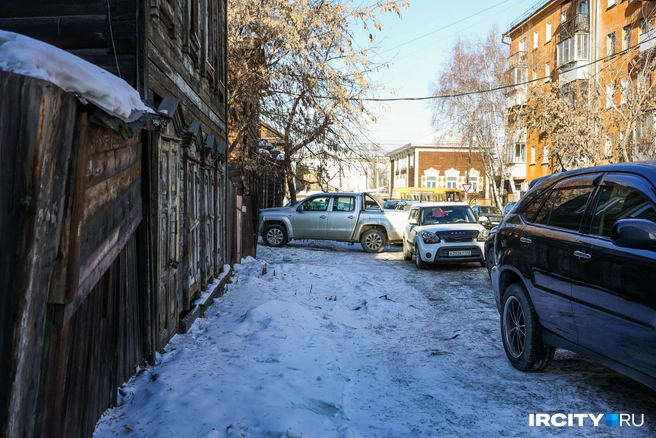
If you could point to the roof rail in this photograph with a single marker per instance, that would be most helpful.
(528, 13)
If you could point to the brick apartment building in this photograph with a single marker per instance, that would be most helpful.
(439, 160)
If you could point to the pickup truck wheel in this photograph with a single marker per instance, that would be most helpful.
(275, 235)
(418, 261)
(521, 332)
(407, 254)
(373, 241)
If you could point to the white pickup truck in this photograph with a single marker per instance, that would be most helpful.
(340, 216)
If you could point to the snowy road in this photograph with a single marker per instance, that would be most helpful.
(319, 339)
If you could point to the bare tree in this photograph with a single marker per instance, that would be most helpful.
(296, 66)
(629, 107)
(474, 68)
(562, 116)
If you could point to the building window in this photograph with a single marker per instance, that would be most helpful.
(563, 15)
(519, 75)
(608, 146)
(532, 154)
(610, 40)
(535, 40)
(545, 153)
(522, 45)
(624, 90)
(644, 26)
(451, 182)
(611, 3)
(583, 46)
(547, 36)
(547, 71)
(520, 153)
(431, 182)
(535, 74)
(573, 49)
(610, 94)
(626, 37)
(474, 184)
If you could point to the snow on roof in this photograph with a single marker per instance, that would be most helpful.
(29, 57)
(443, 137)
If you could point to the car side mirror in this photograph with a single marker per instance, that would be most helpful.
(300, 208)
(634, 233)
(483, 219)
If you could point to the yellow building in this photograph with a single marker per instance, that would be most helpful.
(597, 51)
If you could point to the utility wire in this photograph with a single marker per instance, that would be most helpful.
(442, 28)
(490, 90)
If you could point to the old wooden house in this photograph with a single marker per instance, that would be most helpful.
(116, 228)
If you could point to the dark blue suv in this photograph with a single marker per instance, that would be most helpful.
(576, 269)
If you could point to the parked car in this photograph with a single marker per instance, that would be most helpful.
(344, 217)
(405, 205)
(576, 269)
(488, 215)
(390, 204)
(507, 208)
(443, 232)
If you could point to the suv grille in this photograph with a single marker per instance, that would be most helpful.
(458, 239)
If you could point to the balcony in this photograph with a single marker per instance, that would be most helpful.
(516, 96)
(517, 59)
(579, 23)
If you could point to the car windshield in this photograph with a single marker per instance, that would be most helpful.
(488, 210)
(447, 215)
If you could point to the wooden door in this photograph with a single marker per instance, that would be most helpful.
(169, 238)
(193, 192)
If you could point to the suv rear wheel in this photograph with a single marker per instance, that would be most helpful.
(521, 331)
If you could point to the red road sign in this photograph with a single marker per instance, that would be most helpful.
(466, 187)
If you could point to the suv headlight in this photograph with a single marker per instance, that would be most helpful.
(430, 237)
(483, 235)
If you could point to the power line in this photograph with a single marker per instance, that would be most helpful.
(490, 90)
(444, 39)
(442, 28)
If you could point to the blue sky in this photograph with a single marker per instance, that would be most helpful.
(434, 25)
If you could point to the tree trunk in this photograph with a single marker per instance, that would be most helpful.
(289, 177)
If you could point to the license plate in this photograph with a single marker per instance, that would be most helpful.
(459, 253)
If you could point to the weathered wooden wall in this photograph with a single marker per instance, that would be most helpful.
(97, 350)
(37, 131)
(81, 27)
(70, 318)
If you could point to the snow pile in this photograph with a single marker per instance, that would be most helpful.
(324, 340)
(26, 56)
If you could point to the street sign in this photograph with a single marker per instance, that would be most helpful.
(466, 187)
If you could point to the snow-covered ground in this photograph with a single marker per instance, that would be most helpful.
(319, 339)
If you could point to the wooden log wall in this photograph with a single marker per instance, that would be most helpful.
(97, 350)
(82, 28)
(37, 124)
(70, 328)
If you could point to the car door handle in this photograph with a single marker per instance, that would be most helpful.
(582, 255)
(323, 216)
(351, 217)
(525, 240)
